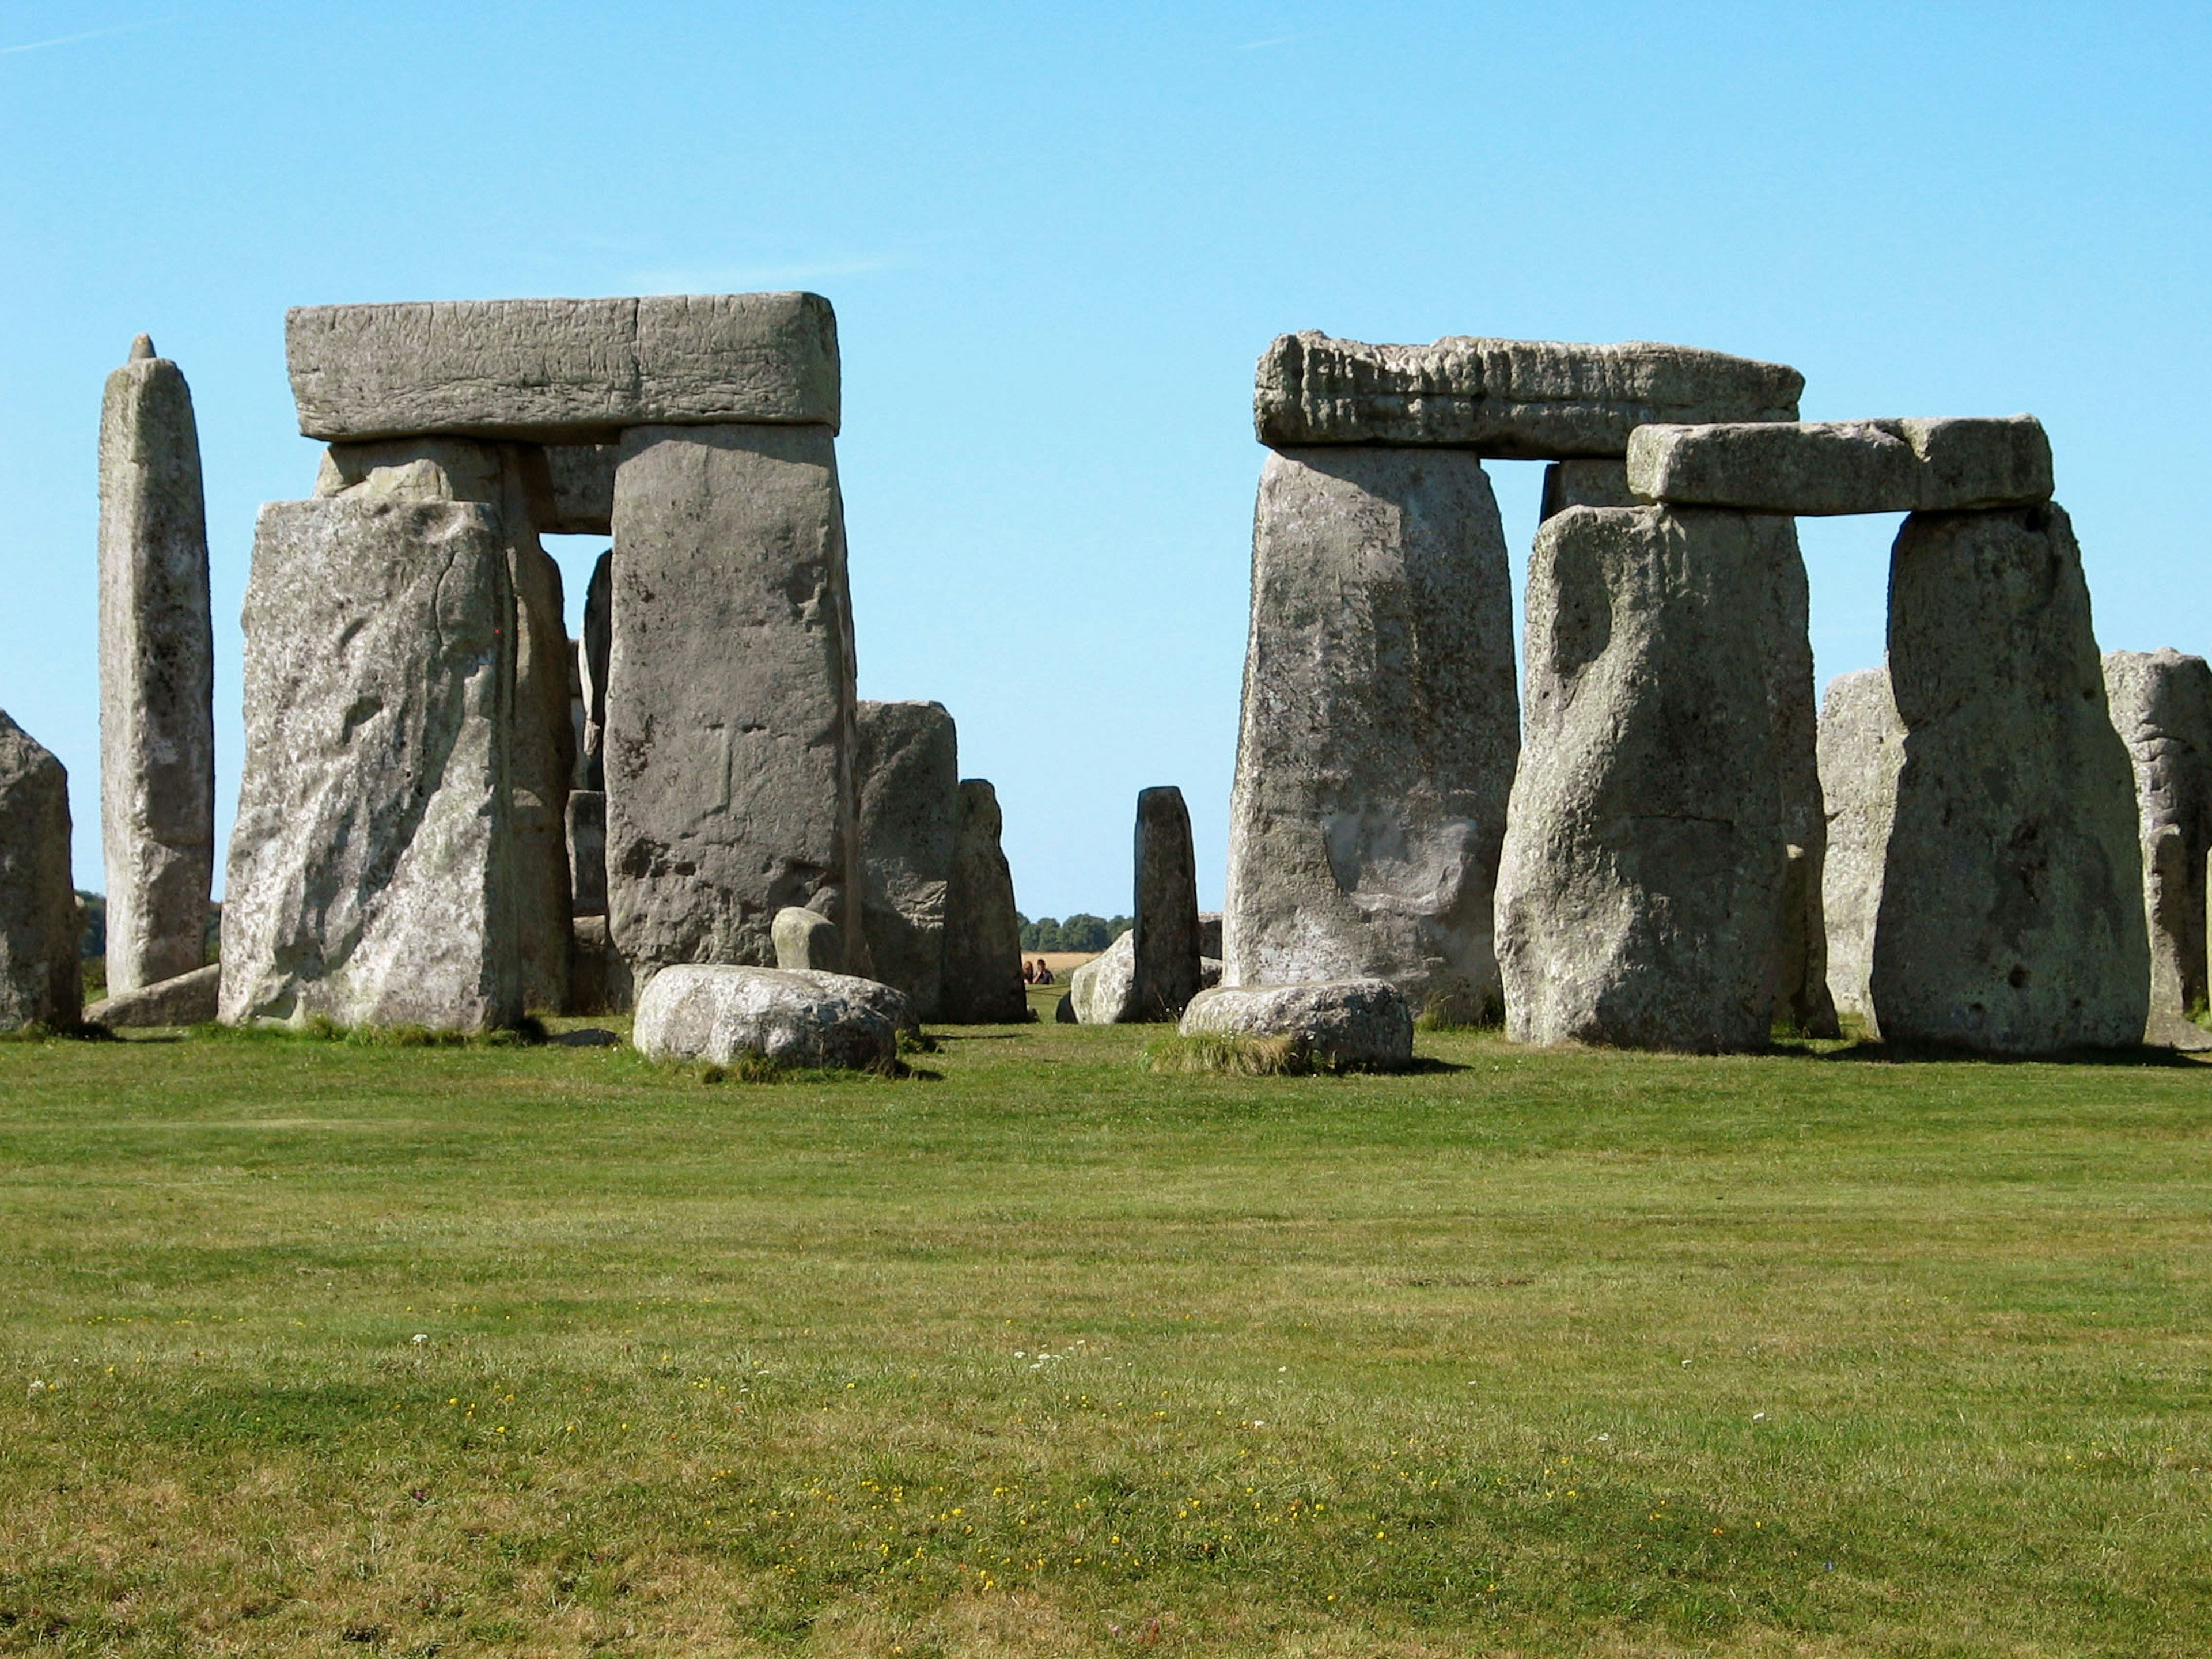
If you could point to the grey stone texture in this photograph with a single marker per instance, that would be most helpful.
(583, 482)
(1826, 467)
(909, 784)
(588, 853)
(2012, 914)
(1209, 934)
(599, 980)
(1640, 897)
(1528, 400)
(1339, 1025)
(187, 999)
(40, 925)
(595, 649)
(1102, 991)
(156, 676)
(730, 750)
(982, 983)
(370, 877)
(719, 1012)
(1380, 728)
(808, 941)
(1862, 748)
(562, 371)
(1801, 996)
(1164, 940)
(1585, 483)
(2161, 706)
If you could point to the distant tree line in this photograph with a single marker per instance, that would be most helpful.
(1080, 932)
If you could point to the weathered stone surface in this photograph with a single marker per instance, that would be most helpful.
(1826, 467)
(718, 1013)
(1340, 1025)
(1639, 901)
(807, 941)
(1528, 400)
(730, 749)
(1862, 748)
(1102, 991)
(587, 852)
(583, 480)
(562, 371)
(910, 783)
(187, 999)
(1585, 483)
(1380, 728)
(597, 646)
(2012, 914)
(156, 676)
(982, 983)
(2161, 706)
(40, 983)
(1063, 1012)
(1166, 939)
(370, 877)
(598, 978)
(1801, 997)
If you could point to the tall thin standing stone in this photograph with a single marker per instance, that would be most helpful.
(982, 933)
(38, 924)
(909, 781)
(2161, 703)
(1165, 934)
(1862, 748)
(156, 676)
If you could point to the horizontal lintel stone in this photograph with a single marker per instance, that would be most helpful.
(1531, 400)
(562, 371)
(1822, 468)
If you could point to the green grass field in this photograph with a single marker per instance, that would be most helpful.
(308, 1348)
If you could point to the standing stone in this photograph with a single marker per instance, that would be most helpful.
(1801, 997)
(40, 983)
(1165, 937)
(909, 779)
(730, 738)
(2012, 914)
(1380, 728)
(982, 933)
(2161, 704)
(598, 645)
(1861, 750)
(1585, 483)
(156, 676)
(369, 876)
(587, 852)
(807, 941)
(1639, 902)
(1102, 991)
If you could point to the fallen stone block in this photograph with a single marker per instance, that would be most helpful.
(2161, 706)
(187, 999)
(562, 371)
(1339, 1025)
(719, 1012)
(1821, 468)
(1528, 400)
(39, 978)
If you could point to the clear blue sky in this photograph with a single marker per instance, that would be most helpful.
(1057, 240)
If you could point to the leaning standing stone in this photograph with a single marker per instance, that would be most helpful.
(40, 983)
(982, 931)
(1862, 748)
(2161, 704)
(1165, 937)
(156, 676)
(1379, 730)
(369, 878)
(909, 785)
(1639, 902)
(2011, 915)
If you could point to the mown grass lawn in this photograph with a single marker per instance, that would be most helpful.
(308, 1348)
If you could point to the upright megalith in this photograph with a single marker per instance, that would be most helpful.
(1380, 727)
(982, 982)
(370, 880)
(1164, 938)
(731, 731)
(2161, 706)
(1862, 748)
(593, 651)
(39, 984)
(156, 676)
(1801, 996)
(1640, 894)
(909, 788)
(2011, 918)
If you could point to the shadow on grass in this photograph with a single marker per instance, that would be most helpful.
(1869, 1052)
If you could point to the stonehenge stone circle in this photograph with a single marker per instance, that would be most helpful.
(1380, 727)
(156, 676)
(1822, 467)
(369, 878)
(1339, 1025)
(562, 371)
(731, 739)
(2161, 706)
(982, 982)
(718, 1013)
(1801, 996)
(2011, 917)
(599, 981)
(588, 853)
(1639, 897)
(1510, 399)
(1164, 938)
(1862, 747)
(909, 788)
(186, 999)
(808, 940)
(593, 652)
(1102, 991)
(40, 926)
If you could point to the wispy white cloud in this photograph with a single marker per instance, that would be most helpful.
(71, 39)
(1276, 40)
(731, 279)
